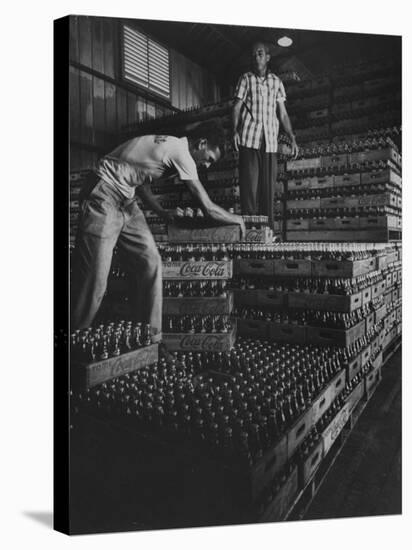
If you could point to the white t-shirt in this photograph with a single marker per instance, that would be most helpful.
(146, 158)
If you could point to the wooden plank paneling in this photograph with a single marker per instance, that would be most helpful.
(86, 107)
(75, 158)
(74, 105)
(85, 41)
(99, 118)
(121, 98)
(131, 108)
(141, 108)
(111, 113)
(74, 39)
(108, 46)
(97, 44)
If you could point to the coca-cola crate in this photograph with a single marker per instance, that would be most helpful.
(354, 367)
(200, 342)
(343, 92)
(325, 302)
(399, 329)
(301, 268)
(294, 184)
(271, 298)
(297, 224)
(366, 296)
(380, 199)
(392, 317)
(395, 295)
(372, 379)
(374, 345)
(355, 396)
(222, 305)
(394, 277)
(328, 395)
(379, 83)
(330, 224)
(347, 179)
(311, 463)
(387, 175)
(340, 109)
(283, 499)
(312, 204)
(382, 337)
(257, 267)
(335, 161)
(380, 313)
(365, 355)
(387, 297)
(399, 313)
(220, 234)
(303, 164)
(370, 321)
(87, 375)
(387, 153)
(299, 431)
(262, 473)
(381, 262)
(293, 334)
(198, 270)
(263, 235)
(337, 337)
(378, 361)
(320, 113)
(339, 235)
(343, 269)
(379, 222)
(331, 433)
(253, 328)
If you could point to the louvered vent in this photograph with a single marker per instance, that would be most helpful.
(145, 62)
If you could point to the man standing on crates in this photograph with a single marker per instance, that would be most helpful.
(255, 133)
(110, 215)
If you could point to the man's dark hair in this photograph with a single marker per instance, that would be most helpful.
(264, 44)
(212, 130)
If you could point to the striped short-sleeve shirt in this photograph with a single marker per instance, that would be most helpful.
(258, 119)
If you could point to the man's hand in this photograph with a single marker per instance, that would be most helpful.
(236, 141)
(240, 221)
(294, 148)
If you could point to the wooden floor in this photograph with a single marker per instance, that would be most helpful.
(366, 477)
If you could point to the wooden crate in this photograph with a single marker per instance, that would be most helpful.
(336, 235)
(294, 184)
(370, 321)
(336, 337)
(378, 289)
(222, 305)
(197, 270)
(253, 329)
(271, 298)
(219, 234)
(263, 235)
(311, 463)
(387, 175)
(347, 179)
(365, 355)
(328, 394)
(297, 224)
(372, 379)
(366, 296)
(331, 433)
(374, 345)
(284, 268)
(331, 224)
(311, 204)
(303, 164)
(282, 501)
(253, 267)
(335, 161)
(380, 313)
(387, 153)
(343, 269)
(299, 431)
(355, 396)
(293, 334)
(200, 342)
(325, 302)
(87, 375)
(353, 367)
(263, 473)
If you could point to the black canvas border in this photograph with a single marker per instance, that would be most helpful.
(61, 382)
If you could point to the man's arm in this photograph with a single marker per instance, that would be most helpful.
(235, 123)
(285, 120)
(151, 201)
(211, 209)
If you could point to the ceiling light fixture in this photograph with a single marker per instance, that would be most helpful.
(285, 41)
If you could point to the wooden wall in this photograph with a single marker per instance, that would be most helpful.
(101, 103)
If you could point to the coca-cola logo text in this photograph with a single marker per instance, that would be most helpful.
(203, 269)
(203, 343)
